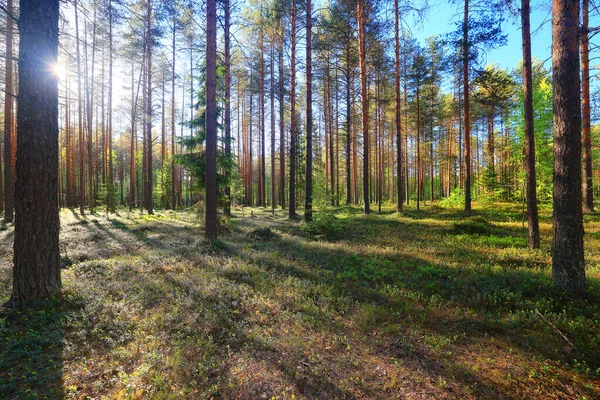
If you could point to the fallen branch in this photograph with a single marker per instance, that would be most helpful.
(556, 329)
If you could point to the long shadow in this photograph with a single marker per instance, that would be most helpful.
(31, 350)
(493, 293)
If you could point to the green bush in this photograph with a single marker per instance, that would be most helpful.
(324, 226)
(473, 226)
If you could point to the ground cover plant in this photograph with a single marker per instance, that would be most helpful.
(430, 303)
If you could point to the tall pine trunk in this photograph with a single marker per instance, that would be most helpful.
(532, 207)
(292, 206)
(466, 109)
(8, 118)
(36, 272)
(362, 53)
(211, 120)
(309, 116)
(588, 188)
(568, 268)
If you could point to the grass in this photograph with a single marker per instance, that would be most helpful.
(428, 304)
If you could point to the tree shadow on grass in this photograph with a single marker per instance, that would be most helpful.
(491, 295)
(31, 350)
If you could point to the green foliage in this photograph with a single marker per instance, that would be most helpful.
(472, 226)
(456, 198)
(324, 226)
(163, 188)
(194, 159)
(542, 107)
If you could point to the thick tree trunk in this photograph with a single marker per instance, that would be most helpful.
(309, 116)
(568, 268)
(532, 207)
(36, 272)
(211, 120)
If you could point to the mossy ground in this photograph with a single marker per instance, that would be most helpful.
(428, 304)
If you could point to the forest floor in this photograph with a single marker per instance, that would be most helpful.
(429, 304)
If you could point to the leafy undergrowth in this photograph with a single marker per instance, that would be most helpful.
(429, 304)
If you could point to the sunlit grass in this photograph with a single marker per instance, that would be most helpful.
(429, 303)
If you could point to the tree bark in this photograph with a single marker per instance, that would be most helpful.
(211, 121)
(8, 119)
(399, 188)
(227, 39)
(80, 116)
(532, 207)
(360, 16)
(588, 188)
(36, 272)
(292, 205)
(309, 116)
(568, 268)
(466, 109)
(148, 187)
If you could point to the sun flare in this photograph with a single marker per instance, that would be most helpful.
(60, 71)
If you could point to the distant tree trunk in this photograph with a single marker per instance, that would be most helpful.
(348, 77)
(532, 207)
(466, 55)
(362, 53)
(8, 119)
(292, 206)
(80, 121)
(36, 272)
(90, 117)
(491, 147)
(227, 39)
(419, 173)
(273, 162)
(211, 121)
(588, 187)
(133, 140)
(568, 268)
(309, 116)
(110, 191)
(399, 188)
(262, 166)
(148, 178)
(173, 124)
(281, 124)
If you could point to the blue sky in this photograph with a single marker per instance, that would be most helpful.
(442, 16)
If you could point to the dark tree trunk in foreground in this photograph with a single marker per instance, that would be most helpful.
(8, 120)
(568, 268)
(309, 122)
(588, 188)
(532, 208)
(211, 121)
(36, 273)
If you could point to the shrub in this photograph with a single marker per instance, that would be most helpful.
(324, 226)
